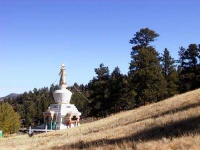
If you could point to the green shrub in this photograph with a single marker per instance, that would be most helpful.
(9, 119)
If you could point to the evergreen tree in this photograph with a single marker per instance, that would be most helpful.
(39, 112)
(118, 87)
(79, 99)
(143, 37)
(29, 112)
(9, 119)
(170, 74)
(189, 77)
(99, 92)
(145, 73)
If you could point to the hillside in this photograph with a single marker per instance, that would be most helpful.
(11, 95)
(171, 124)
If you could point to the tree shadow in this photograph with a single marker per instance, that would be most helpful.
(170, 130)
(170, 111)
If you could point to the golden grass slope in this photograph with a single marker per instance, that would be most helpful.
(170, 124)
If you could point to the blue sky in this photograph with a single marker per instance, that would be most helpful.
(37, 36)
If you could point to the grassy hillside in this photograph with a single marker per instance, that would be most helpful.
(170, 124)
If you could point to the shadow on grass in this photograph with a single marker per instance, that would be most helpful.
(170, 130)
(170, 111)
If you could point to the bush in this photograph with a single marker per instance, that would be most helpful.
(9, 119)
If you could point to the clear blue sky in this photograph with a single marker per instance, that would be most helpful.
(36, 36)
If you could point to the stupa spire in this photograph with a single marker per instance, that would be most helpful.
(62, 74)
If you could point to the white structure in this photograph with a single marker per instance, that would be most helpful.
(62, 115)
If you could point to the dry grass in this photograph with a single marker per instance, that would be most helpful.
(170, 124)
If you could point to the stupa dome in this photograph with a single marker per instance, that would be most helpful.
(62, 95)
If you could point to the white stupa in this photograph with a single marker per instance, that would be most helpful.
(62, 115)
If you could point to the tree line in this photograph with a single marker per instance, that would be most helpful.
(152, 77)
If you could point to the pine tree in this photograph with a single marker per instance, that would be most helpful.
(99, 92)
(118, 87)
(79, 99)
(189, 68)
(170, 74)
(145, 73)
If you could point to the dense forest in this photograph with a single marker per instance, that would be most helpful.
(152, 77)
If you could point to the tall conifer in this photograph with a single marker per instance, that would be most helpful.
(99, 92)
(170, 74)
(189, 77)
(118, 88)
(145, 73)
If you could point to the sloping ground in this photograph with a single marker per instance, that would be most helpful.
(170, 124)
